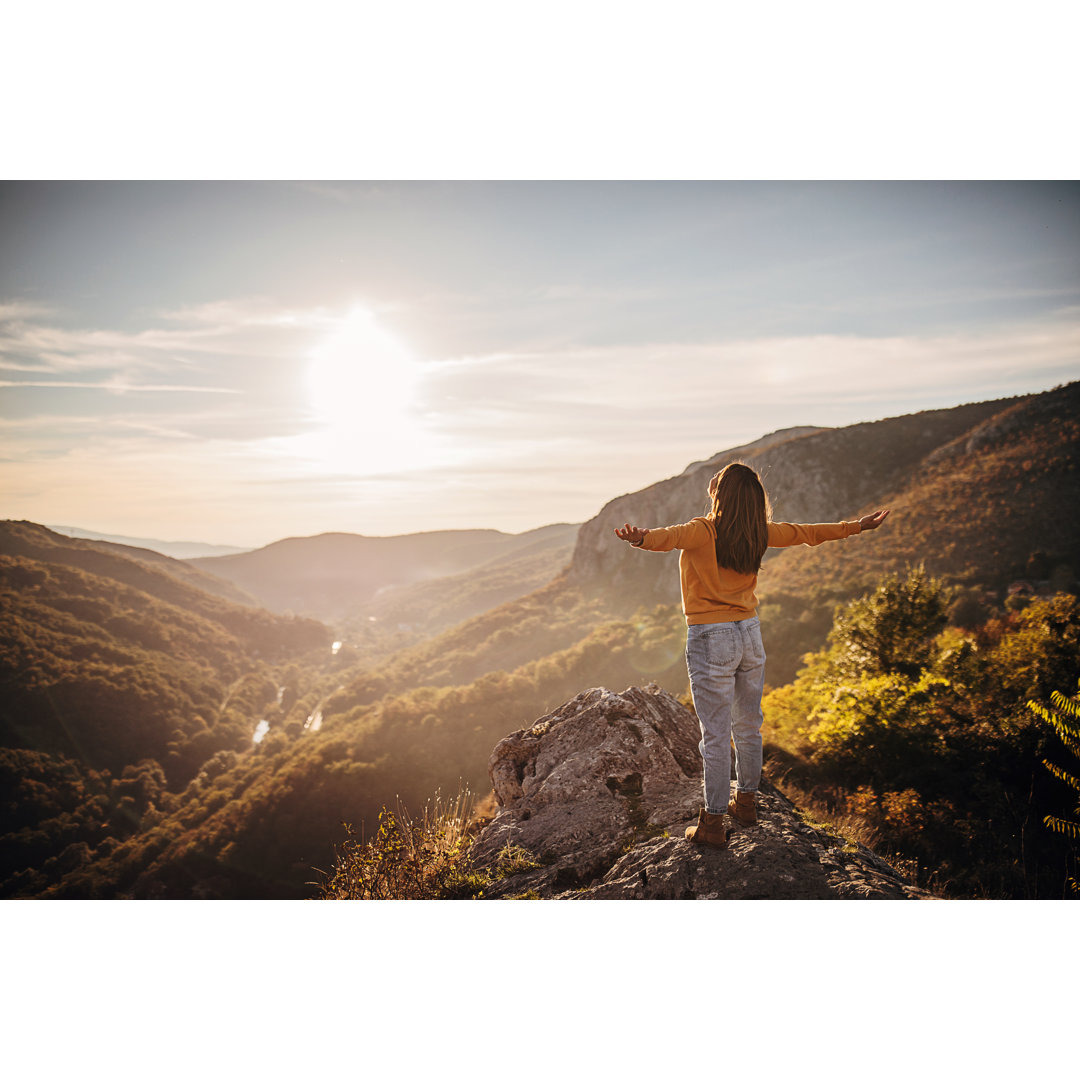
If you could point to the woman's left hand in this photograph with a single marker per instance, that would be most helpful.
(631, 534)
(872, 521)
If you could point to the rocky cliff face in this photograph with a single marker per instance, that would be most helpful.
(600, 791)
(811, 474)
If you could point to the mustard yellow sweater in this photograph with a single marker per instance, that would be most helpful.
(713, 594)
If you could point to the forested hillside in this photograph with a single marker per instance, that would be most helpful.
(180, 680)
(118, 682)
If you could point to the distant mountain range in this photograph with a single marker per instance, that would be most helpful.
(176, 549)
(345, 576)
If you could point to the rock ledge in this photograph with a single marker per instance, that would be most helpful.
(600, 791)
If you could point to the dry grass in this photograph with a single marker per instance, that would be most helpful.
(816, 811)
(853, 829)
(409, 858)
(424, 858)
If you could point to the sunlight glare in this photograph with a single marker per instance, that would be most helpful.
(361, 383)
(360, 371)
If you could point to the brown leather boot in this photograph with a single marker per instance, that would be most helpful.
(708, 830)
(743, 808)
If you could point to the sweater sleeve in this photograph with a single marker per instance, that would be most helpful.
(784, 534)
(692, 534)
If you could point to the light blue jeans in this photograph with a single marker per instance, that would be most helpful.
(726, 662)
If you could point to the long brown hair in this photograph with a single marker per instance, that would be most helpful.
(741, 514)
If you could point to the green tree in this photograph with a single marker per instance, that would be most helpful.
(891, 631)
(883, 728)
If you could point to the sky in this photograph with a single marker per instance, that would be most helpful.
(235, 362)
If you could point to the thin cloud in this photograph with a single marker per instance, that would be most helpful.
(224, 316)
(635, 415)
(14, 311)
(345, 194)
(115, 386)
(205, 337)
(553, 391)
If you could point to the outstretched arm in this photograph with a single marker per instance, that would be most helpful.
(786, 534)
(691, 534)
(633, 535)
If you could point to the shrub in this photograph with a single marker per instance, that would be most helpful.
(890, 631)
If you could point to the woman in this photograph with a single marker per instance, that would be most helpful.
(720, 556)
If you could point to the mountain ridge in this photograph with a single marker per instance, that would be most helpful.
(175, 549)
(799, 472)
(331, 575)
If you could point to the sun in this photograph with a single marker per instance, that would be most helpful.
(361, 371)
(361, 382)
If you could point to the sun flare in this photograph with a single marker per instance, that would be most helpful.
(361, 373)
(361, 386)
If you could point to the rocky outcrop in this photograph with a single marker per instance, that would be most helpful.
(600, 791)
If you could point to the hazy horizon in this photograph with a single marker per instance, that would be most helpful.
(178, 541)
(233, 363)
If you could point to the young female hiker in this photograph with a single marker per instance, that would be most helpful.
(719, 559)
